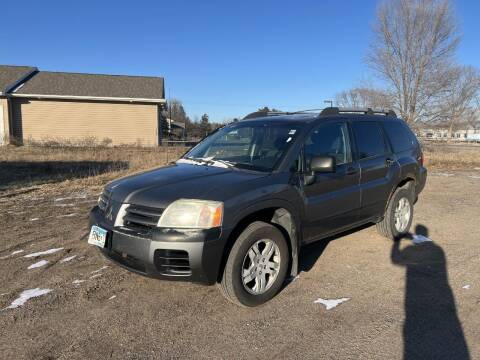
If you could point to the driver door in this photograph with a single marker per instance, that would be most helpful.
(332, 200)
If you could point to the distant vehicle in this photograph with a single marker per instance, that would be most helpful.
(236, 208)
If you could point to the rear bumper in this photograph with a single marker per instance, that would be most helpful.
(182, 255)
(421, 180)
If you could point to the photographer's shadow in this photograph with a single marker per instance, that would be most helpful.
(432, 329)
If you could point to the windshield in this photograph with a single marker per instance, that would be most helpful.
(256, 146)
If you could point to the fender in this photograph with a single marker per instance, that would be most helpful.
(287, 219)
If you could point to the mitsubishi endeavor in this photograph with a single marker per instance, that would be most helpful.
(236, 209)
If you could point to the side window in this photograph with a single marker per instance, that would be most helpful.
(369, 139)
(399, 135)
(329, 139)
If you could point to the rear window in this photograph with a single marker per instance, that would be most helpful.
(369, 139)
(400, 136)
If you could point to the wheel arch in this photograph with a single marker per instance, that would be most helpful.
(282, 216)
(406, 181)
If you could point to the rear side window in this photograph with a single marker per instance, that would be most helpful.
(369, 139)
(399, 135)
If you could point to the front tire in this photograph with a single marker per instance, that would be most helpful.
(256, 266)
(398, 215)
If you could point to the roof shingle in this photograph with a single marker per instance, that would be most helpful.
(10, 75)
(93, 85)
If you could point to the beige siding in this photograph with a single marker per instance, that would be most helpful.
(123, 123)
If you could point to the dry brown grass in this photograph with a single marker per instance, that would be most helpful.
(76, 166)
(452, 157)
(80, 167)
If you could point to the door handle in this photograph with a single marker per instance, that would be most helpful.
(389, 161)
(351, 171)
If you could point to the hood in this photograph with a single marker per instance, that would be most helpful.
(160, 187)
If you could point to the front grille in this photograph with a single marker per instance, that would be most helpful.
(104, 200)
(141, 217)
(172, 262)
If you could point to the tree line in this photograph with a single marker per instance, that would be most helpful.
(192, 129)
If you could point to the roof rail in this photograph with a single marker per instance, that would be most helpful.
(257, 114)
(366, 111)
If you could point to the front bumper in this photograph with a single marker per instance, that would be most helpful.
(170, 254)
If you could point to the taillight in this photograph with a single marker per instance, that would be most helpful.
(420, 158)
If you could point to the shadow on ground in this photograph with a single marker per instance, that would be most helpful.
(432, 329)
(27, 173)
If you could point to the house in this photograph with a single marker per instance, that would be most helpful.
(60, 106)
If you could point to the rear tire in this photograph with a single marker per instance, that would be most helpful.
(256, 266)
(398, 215)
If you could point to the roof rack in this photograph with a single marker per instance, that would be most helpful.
(257, 114)
(366, 111)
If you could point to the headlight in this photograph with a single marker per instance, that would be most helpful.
(191, 214)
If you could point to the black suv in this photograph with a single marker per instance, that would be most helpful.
(237, 207)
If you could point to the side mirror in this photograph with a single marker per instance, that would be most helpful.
(323, 164)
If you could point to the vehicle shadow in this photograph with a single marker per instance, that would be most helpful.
(431, 329)
(27, 173)
(310, 254)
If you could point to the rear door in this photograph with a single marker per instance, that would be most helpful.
(378, 167)
(333, 199)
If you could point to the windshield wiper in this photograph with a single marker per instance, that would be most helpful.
(211, 161)
(224, 162)
(199, 160)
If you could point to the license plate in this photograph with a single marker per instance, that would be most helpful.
(98, 236)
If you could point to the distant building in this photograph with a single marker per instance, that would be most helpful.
(175, 129)
(42, 105)
(469, 133)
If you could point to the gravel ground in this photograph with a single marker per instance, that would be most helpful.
(407, 301)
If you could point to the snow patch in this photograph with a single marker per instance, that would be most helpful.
(420, 239)
(80, 196)
(112, 297)
(17, 252)
(35, 219)
(26, 295)
(76, 281)
(444, 174)
(38, 264)
(67, 215)
(466, 286)
(46, 252)
(67, 259)
(330, 303)
(102, 268)
(95, 276)
(474, 176)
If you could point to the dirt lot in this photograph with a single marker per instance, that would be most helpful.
(414, 301)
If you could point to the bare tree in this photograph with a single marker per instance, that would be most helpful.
(413, 48)
(364, 97)
(458, 103)
(176, 111)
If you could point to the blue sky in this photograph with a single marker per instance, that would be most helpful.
(224, 58)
